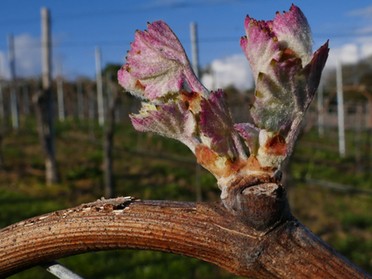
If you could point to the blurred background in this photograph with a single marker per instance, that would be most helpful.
(60, 106)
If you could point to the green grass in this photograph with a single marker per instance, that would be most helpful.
(318, 158)
(132, 264)
(343, 220)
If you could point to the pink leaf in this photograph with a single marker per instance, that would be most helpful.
(171, 120)
(178, 106)
(293, 31)
(274, 104)
(286, 76)
(250, 135)
(313, 72)
(260, 45)
(278, 51)
(157, 65)
(217, 126)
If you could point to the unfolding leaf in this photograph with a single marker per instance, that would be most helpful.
(171, 120)
(260, 45)
(313, 72)
(157, 65)
(293, 32)
(250, 135)
(216, 125)
(178, 106)
(275, 96)
(286, 76)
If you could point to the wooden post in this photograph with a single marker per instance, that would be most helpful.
(60, 96)
(46, 58)
(320, 109)
(108, 140)
(101, 113)
(92, 107)
(80, 101)
(194, 48)
(43, 103)
(92, 97)
(340, 111)
(2, 116)
(26, 99)
(2, 111)
(13, 86)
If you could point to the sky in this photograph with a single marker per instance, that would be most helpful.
(78, 27)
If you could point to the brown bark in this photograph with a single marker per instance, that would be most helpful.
(202, 230)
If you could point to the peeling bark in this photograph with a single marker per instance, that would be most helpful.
(205, 231)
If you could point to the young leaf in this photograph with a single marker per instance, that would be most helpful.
(171, 120)
(176, 104)
(286, 76)
(157, 65)
(216, 125)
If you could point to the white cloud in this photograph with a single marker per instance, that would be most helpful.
(364, 12)
(366, 50)
(27, 57)
(232, 70)
(345, 54)
(3, 68)
(349, 53)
